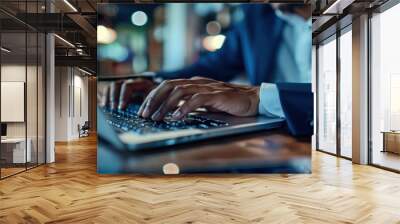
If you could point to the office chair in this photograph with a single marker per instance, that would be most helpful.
(84, 130)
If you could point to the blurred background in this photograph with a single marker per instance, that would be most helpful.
(171, 35)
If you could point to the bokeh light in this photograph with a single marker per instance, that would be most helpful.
(105, 35)
(139, 18)
(114, 51)
(213, 43)
(213, 28)
(139, 63)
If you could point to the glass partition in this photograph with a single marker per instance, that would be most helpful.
(327, 96)
(15, 150)
(385, 89)
(346, 93)
(22, 77)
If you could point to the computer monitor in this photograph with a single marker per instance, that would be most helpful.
(3, 129)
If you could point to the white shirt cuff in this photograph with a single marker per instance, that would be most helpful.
(270, 103)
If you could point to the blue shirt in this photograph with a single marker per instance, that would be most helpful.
(293, 63)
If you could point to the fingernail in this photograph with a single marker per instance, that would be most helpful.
(145, 112)
(140, 111)
(156, 115)
(176, 114)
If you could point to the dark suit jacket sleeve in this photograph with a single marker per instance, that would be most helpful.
(222, 64)
(298, 106)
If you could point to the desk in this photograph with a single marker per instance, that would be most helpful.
(13, 150)
(267, 152)
(391, 141)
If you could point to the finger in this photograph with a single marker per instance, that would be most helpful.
(143, 105)
(203, 78)
(159, 94)
(196, 101)
(115, 89)
(156, 97)
(125, 95)
(132, 87)
(104, 98)
(178, 93)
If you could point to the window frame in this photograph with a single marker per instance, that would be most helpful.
(347, 27)
(27, 29)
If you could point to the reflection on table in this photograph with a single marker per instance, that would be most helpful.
(267, 152)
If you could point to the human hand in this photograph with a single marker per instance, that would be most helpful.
(120, 94)
(216, 96)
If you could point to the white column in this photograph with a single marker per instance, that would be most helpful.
(50, 100)
(63, 99)
(50, 92)
(360, 90)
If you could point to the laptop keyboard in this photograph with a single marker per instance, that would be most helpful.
(128, 120)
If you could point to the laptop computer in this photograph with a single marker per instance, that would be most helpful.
(125, 130)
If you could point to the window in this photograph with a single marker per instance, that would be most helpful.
(327, 96)
(346, 93)
(329, 112)
(385, 89)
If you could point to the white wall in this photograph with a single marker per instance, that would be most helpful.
(79, 117)
(70, 83)
(12, 73)
(33, 127)
(62, 81)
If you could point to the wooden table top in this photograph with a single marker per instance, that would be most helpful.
(265, 152)
(390, 132)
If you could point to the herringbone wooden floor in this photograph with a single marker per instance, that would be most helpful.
(70, 191)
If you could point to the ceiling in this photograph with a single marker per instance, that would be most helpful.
(331, 15)
(77, 23)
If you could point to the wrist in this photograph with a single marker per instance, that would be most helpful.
(269, 101)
